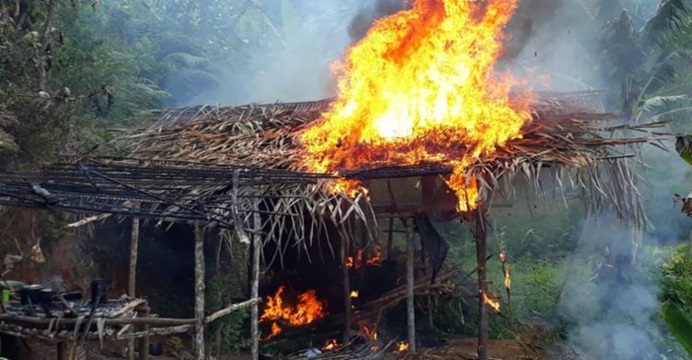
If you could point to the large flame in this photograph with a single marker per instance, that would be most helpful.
(307, 309)
(420, 88)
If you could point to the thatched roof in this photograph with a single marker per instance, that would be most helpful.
(214, 151)
(569, 131)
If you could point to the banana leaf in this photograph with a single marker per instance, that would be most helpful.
(678, 324)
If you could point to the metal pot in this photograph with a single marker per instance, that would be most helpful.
(30, 293)
(155, 349)
(46, 296)
(72, 295)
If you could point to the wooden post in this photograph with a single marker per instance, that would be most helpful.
(254, 289)
(132, 281)
(411, 311)
(480, 236)
(199, 292)
(346, 289)
(63, 352)
(143, 345)
(390, 238)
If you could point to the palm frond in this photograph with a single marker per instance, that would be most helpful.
(667, 71)
(666, 23)
(675, 108)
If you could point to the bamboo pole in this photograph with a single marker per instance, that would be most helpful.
(143, 343)
(254, 292)
(199, 291)
(480, 236)
(132, 281)
(63, 352)
(346, 290)
(411, 311)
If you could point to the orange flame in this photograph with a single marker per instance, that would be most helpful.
(503, 257)
(508, 279)
(331, 345)
(494, 304)
(356, 262)
(307, 309)
(376, 259)
(275, 330)
(371, 335)
(402, 347)
(354, 294)
(420, 88)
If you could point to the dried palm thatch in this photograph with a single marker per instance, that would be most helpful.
(569, 131)
(224, 164)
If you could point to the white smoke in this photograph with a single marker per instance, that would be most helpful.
(296, 67)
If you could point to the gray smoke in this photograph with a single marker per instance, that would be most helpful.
(369, 13)
(296, 66)
(615, 310)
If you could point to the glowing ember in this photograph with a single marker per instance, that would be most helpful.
(354, 294)
(503, 257)
(356, 262)
(508, 279)
(370, 333)
(494, 304)
(307, 309)
(420, 88)
(376, 259)
(402, 346)
(275, 330)
(331, 345)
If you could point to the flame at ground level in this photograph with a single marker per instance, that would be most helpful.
(307, 309)
(420, 89)
(331, 345)
(402, 347)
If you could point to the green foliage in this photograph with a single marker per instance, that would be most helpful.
(676, 278)
(670, 22)
(679, 324)
(229, 331)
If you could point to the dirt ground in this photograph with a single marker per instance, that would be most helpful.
(459, 349)
(465, 349)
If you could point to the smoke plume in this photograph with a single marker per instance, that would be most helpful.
(369, 13)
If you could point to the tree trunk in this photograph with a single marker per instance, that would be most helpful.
(43, 68)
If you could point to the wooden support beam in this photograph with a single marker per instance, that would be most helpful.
(479, 222)
(143, 342)
(199, 292)
(254, 291)
(346, 286)
(63, 351)
(132, 280)
(231, 308)
(410, 282)
(390, 238)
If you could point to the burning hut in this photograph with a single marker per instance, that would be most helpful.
(570, 140)
(418, 103)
